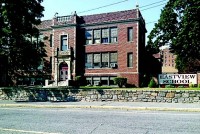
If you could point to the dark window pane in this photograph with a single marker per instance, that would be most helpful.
(88, 61)
(64, 42)
(114, 34)
(130, 59)
(130, 34)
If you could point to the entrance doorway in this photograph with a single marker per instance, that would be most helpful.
(63, 70)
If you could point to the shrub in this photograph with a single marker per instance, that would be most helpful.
(77, 78)
(169, 86)
(181, 86)
(191, 85)
(77, 81)
(152, 83)
(120, 81)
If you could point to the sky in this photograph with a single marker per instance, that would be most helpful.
(150, 9)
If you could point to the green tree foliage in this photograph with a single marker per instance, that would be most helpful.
(179, 28)
(152, 83)
(19, 37)
(120, 81)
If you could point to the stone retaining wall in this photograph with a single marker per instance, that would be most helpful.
(148, 95)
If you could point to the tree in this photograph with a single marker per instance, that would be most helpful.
(120, 81)
(19, 37)
(179, 28)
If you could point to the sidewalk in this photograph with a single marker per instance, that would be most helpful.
(185, 107)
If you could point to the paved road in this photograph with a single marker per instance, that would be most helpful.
(186, 107)
(96, 121)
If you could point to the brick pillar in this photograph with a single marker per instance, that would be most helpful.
(198, 78)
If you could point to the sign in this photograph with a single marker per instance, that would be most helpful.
(177, 78)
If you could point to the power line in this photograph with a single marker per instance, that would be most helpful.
(151, 22)
(153, 7)
(103, 6)
(125, 1)
(150, 8)
(152, 3)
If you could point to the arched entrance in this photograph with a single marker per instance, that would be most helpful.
(63, 71)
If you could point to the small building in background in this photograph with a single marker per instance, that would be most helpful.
(168, 61)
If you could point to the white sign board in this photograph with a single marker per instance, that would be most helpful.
(177, 78)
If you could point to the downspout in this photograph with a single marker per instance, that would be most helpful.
(137, 9)
(75, 28)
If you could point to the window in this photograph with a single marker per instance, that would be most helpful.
(50, 62)
(97, 36)
(51, 40)
(105, 35)
(96, 80)
(89, 80)
(130, 60)
(130, 34)
(41, 38)
(111, 80)
(105, 58)
(113, 37)
(88, 36)
(103, 80)
(88, 61)
(37, 40)
(113, 57)
(97, 63)
(101, 60)
(64, 42)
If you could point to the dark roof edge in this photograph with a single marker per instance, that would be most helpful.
(107, 13)
(111, 22)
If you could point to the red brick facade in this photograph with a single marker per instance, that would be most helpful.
(129, 53)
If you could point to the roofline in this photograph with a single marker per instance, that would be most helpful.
(92, 24)
(107, 13)
(111, 22)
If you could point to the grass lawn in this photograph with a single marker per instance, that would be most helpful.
(145, 88)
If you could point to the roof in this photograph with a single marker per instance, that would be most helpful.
(97, 18)
(112, 16)
(45, 24)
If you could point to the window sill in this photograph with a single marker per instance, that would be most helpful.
(113, 43)
(98, 68)
(130, 41)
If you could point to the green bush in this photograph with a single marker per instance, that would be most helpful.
(77, 78)
(77, 81)
(120, 81)
(191, 85)
(181, 86)
(169, 86)
(152, 83)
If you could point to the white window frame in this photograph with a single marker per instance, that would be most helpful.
(61, 40)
